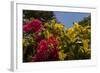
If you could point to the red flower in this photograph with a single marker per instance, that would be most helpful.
(53, 54)
(34, 25)
(27, 27)
(52, 41)
(42, 46)
(37, 38)
(44, 53)
(37, 25)
(40, 57)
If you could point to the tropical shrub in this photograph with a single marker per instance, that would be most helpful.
(52, 41)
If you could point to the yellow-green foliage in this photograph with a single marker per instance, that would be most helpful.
(74, 43)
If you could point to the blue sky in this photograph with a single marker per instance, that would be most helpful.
(67, 18)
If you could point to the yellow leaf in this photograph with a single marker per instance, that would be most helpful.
(62, 55)
(77, 27)
(85, 44)
(58, 26)
(48, 34)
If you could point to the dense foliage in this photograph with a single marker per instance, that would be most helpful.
(52, 41)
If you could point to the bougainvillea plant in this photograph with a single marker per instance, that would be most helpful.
(52, 41)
